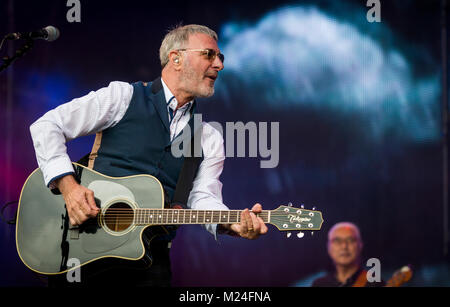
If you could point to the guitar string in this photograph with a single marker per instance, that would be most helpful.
(167, 211)
(164, 214)
(182, 216)
(188, 217)
(184, 221)
(173, 210)
(194, 211)
(215, 218)
(166, 222)
(190, 214)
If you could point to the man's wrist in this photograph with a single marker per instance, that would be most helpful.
(64, 182)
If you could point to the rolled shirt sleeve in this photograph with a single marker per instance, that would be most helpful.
(86, 115)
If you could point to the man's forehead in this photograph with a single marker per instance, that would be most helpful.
(201, 40)
(343, 231)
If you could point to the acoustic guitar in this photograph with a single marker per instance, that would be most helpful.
(45, 239)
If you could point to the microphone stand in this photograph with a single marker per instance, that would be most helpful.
(19, 53)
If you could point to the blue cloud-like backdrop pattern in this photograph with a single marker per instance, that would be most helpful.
(302, 57)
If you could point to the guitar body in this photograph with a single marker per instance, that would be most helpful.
(48, 244)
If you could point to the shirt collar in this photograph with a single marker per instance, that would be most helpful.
(171, 100)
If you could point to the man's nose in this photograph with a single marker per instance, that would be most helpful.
(218, 64)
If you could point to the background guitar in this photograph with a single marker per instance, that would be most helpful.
(400, 277)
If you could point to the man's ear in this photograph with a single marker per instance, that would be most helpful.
(176, 59)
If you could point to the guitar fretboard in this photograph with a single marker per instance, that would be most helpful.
(184, 216)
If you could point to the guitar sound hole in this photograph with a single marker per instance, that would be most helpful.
(118, 217)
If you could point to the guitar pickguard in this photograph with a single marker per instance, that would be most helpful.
(108, 193)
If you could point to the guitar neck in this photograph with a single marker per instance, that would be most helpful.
(285, 218)
(184, 216)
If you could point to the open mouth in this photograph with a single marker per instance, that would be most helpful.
(213, 78)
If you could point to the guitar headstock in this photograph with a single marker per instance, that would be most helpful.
(400, 277)
(289, 218)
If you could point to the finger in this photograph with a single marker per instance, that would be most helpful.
(255, 223)
(71, 212)
(80, 217)
(248, 220)
(72, 221)
(83, 207)
(82, 210)
(237, 228)
(91, 203)
(264, 228)
(257, 208)
(244, 227)
(75, 220)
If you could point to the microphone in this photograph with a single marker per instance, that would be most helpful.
(48, 33)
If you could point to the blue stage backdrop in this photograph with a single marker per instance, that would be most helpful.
(358, 104)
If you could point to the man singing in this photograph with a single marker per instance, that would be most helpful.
(135, 125)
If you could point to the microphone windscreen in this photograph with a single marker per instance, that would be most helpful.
(52, 33)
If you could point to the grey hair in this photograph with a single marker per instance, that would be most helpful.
(178, 37)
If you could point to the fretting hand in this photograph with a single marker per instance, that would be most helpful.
(250, 226)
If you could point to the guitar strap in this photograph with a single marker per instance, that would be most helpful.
(362, 279)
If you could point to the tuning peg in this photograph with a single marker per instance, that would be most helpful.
(300, 234)
(288, 234)
(289, 204)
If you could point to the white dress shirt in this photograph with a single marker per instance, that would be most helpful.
(104, 108)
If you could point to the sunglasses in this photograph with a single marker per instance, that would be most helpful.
(210, 54)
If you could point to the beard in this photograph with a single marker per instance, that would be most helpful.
(206, 92)
(194, 83)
